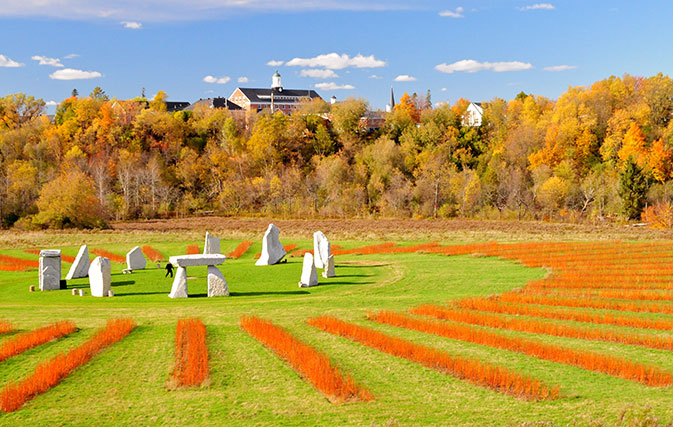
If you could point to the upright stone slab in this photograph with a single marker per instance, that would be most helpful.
(217, 285)
(99, 276)
(179, 288)
(272, 249)
(135, 260)
(50, 269)
(309, 276)
(212, 244)
(321, 249)
(329, 268)
(79, 268)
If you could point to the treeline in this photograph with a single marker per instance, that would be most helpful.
(596, 153)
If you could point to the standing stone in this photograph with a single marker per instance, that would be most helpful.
(81, 292)
(79, 268)
(217, 285)
(99, 277)
(321, 249)
(272, 249)
(50, 269)
(329, 268)
(309, 276)
(179, 288)
(135, 260)
(212, 244)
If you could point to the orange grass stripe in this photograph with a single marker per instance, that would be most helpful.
(287, 248)
(64, 257)
(638, 307)
(191, 353)
(372, 249)
(153, 254)
(194, 250)
(484, 304)
(635, 295)
(6, 327)
(241, 249)
(25, 341)
(538, 327)
(313, 366)
(480, 373)
(50, 373)
(18, 264)
(622, 368)
(112, 257)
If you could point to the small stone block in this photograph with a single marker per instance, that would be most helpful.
(110, 293)
(81, 292)
(32, 288)
(74, 291)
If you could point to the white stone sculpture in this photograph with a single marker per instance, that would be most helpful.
(135, 260)
(179, 288)
(212, 244)
(329, 268)
(79, 268)
(99, 276)
(309, 276)
(321, 249)
(272, 249)
(217, 285)
(50, 269)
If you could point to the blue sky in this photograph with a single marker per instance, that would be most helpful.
(201, 48)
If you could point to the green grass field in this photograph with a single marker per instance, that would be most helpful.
(127, 384)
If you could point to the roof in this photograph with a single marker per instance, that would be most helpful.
(213, 103)
(173, 106)
(257, 95)
(478, 107)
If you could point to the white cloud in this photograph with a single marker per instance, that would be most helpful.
(332, 86)
(472, 66)
(218, 80)
(405, 78)
(374, 76)
(458, 13)
(132, 25)
(443, 89)
(335, 61)
(72, 74)
(318, 74)
(6, 62)
(274, 63)
(71, 56)
(560, 68)
(537, 6)
(53, 62)
(51, 103)
(242, 80)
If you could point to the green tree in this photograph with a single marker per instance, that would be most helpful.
(633, 186)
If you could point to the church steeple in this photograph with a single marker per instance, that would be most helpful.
(391, 104)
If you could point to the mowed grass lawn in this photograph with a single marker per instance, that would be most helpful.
(127, 384)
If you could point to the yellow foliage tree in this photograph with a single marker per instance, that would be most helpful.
(634, 146)
(660, 159)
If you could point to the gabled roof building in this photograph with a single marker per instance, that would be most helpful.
(275, 98)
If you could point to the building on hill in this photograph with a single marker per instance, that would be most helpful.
(473, 114)
(210, 103)
(275, 98)
(173, 106)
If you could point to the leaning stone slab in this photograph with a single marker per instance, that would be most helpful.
(212, 244)
(309, 276)
(50, 269)
(79, 268)
(179, 288)
(329, 268)
(272, 249)
(99, 277)
(217, 285)
(135, 260)
(321, 249)
(197, 260)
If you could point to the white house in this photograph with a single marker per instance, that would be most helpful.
(473, 114)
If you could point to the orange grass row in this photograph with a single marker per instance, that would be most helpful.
(480, 373)
(622, 368)
(10, 263)
(312, 365)
(66, 258)
(546, 328)
(193, 250)
(191, 353)
(153, 254)
(241, 249)
(111, 256)
(50, 373)
(25, 341)
(6, 327)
